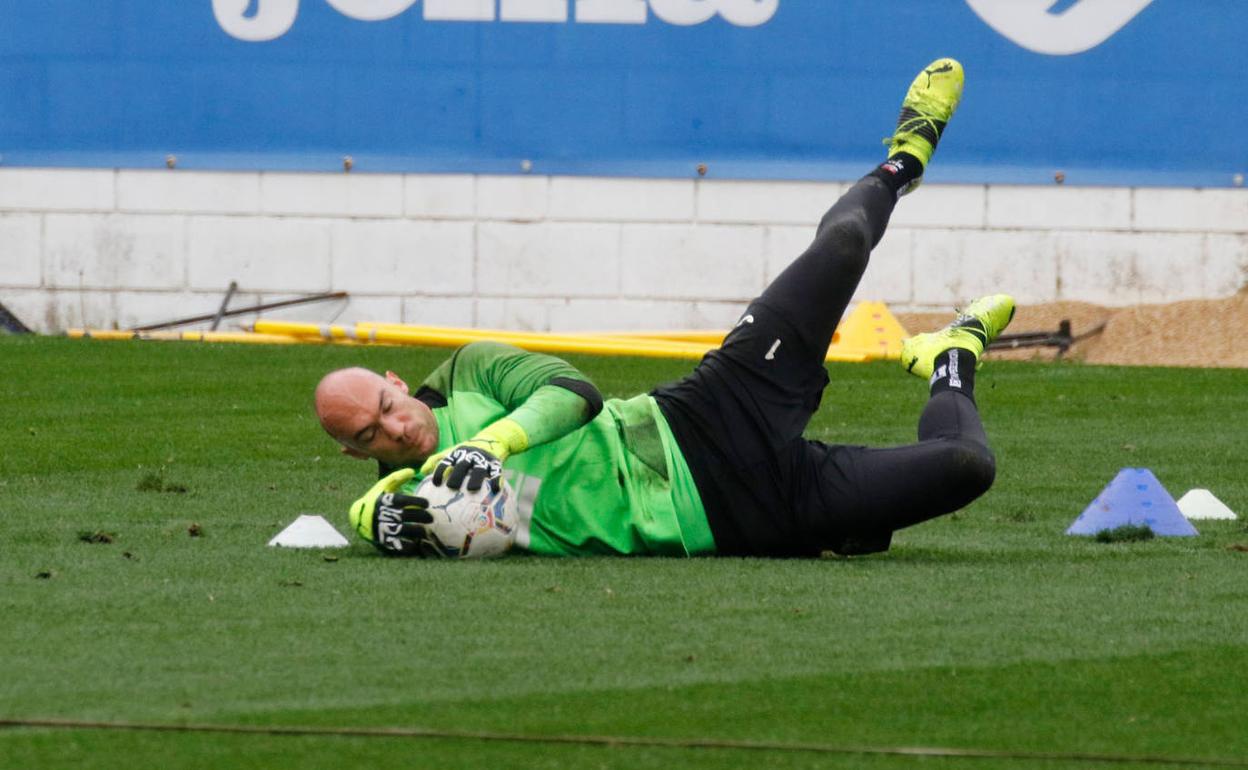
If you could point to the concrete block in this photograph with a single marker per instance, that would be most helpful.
(704, 262)
(782, 245)
(1226, 264)
(260, 253)
(1094, 268)
(1218, 270)
(943, 206)
(952, 267)
(381, 256)
(750, 202)
(622, 315)
(56, 189)
(435, 196)
(1173, 266)
(30, 306)
(548, 259)
(530, 314)
(440, 311)
(644, 315)
(332, 195)
(1059, 208)
(53, 311)
(515, 198)
(890, 272)
(1219, 211)
(374, 195)
(115, 251)
(192, 192)
(716, 315)
(382, 309)
(20, 250)
(1130, 268)
(608, 315)
(621, 200)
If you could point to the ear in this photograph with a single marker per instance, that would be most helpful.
(397, 382)
(357, 454)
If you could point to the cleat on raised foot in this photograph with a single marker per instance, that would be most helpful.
(972, 330)
(929, 104)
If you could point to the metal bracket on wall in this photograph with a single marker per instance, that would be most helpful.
(215, 318)
(229, 293)
(12, 323)
(1061, 339)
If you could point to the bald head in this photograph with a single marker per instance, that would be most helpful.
(343, 393)
(374, 416)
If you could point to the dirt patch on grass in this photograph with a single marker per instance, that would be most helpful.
(1194, 333)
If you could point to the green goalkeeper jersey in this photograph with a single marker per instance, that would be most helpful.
(616, 483)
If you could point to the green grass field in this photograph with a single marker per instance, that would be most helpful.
(986, 630)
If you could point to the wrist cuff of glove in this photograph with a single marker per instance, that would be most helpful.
(503, 438)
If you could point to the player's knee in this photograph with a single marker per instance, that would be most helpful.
(973, 464)
(848, 237)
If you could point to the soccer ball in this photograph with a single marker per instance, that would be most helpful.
(471, 525)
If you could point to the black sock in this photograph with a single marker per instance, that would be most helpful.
(898, 171)
(954, 370)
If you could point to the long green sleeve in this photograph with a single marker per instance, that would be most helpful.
(546, 396)
(591, 478)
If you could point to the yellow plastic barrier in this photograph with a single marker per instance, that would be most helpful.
(447, 337)
(869, 332)
(166, 336)
(872, 329)
(116, 334)
(436, 336)
(681, 335)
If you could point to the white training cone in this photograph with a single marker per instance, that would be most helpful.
(309, 531)
(1201, 504)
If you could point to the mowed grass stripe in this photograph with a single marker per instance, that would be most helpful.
(623, 743)
(162, 626)
(95, 750)
(224, 624)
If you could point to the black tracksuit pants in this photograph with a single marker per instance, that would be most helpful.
(740, 415)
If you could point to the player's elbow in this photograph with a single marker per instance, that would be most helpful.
(586, 390)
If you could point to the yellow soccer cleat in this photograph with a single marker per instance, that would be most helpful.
(927, 108)
(972, 330)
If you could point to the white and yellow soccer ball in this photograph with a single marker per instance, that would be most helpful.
(471, 525)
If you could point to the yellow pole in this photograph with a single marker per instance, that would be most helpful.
(168, 336)
(447, 337)
(435, 336)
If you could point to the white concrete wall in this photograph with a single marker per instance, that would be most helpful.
(104, 248)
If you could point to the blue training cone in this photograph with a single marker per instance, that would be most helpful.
(1136, 497)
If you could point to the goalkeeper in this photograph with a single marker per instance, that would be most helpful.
(716, 462)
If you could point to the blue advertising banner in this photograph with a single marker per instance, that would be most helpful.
(1101, 91)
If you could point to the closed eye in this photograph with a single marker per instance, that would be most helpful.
(369, 432)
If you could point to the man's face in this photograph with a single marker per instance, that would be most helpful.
(375, 416)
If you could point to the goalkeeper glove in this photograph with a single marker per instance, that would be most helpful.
(479, 459)
(395, 523)
(469, 461)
